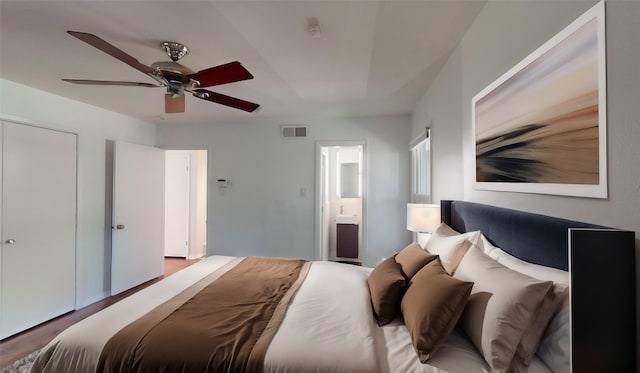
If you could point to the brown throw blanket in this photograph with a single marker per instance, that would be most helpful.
(224, 323)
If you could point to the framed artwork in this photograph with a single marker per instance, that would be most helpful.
(541, 127)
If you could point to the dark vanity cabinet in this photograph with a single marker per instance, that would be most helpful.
(347, 241)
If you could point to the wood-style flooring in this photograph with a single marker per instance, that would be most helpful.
(20, 345)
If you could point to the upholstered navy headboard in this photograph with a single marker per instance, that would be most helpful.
(602, 265)
(531, 237)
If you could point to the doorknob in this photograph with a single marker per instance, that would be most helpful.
(10, 241)
(120, 226)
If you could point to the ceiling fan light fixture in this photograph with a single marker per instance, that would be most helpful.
(173, 105)
(174, 50)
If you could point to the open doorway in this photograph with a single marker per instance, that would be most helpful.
(185, 224)
(340, 200)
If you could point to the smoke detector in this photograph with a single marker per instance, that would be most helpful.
(313, 27)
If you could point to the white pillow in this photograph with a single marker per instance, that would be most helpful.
(555, 345)
(501, 307)
(423, 238)
(554, 348)
(485, 245)
(534, 270)
(450, 246)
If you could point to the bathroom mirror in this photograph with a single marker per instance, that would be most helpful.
(349, 180)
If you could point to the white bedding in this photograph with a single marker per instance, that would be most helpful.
(328, 327)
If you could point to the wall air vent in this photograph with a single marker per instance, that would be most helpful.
(293, 132)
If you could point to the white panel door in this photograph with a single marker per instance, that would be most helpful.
(137, 253)
(176, 218)
(38, 249)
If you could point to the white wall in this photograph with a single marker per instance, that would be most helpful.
(502, 35)
(263, 212)
(95, 127)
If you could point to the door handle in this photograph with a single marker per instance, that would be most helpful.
(10, 241)
(120, 226)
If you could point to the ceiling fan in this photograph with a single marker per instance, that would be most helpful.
(176, 78)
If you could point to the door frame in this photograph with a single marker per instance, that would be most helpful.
(322, 254)
(208, 211)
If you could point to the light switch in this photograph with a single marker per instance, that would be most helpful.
(303, 192)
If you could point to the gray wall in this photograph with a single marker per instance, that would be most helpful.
(503, 34)
(263, 212)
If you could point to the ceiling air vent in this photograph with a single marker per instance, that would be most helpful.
(293, 132)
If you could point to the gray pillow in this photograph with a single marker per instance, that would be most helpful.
(500, 309)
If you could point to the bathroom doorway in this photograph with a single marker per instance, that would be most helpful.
(340, 201)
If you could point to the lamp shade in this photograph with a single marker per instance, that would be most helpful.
(423, 218)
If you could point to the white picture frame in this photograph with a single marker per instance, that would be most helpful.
(541, 126)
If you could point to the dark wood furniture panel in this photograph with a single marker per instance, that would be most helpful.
(603, 300)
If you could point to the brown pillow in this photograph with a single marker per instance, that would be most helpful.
(412, 258)
(386, 286)
(431, 307)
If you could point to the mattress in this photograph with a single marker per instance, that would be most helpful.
(328, 327)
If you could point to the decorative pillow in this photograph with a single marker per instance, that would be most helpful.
(432, 306)
(450, 245)
(412, 258)
(553, 347)
(501, 307)
(386, 286)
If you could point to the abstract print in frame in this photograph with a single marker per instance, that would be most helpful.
(541, 127)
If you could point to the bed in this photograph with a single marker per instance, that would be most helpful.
(324, 321)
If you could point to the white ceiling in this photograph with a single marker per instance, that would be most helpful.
(373, 58)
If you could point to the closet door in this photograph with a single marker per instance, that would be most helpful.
(38, 244)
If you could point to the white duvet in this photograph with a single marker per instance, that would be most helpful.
(328, 327)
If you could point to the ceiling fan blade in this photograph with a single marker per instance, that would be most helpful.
(111, 50)
(225, 100)
(111, 82)
(223, 74)
(173, 105)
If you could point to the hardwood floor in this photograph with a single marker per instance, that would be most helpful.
(20, 345)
